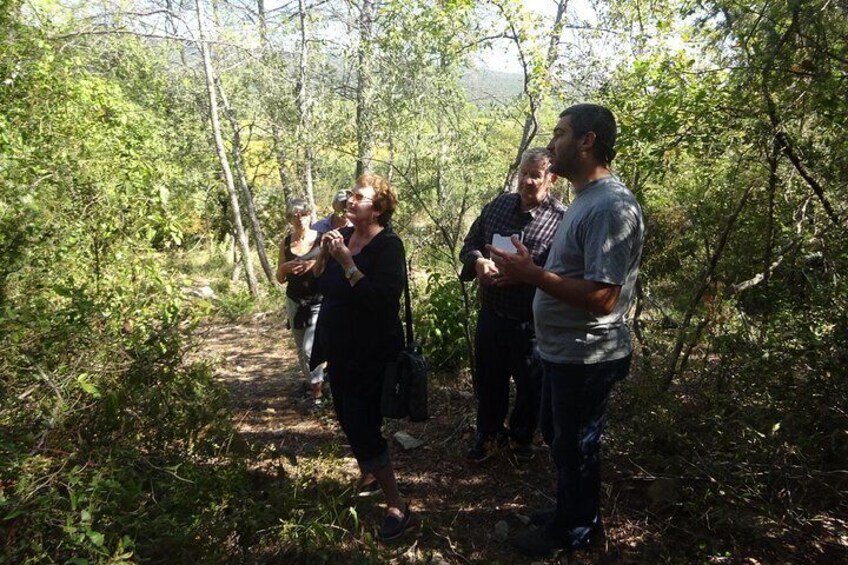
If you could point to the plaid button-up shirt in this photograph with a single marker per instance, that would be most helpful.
(503, 215)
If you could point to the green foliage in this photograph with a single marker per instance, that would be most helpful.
(115, 448)
(756, 301)
(442, 322)
(320, 522)
(236, 304)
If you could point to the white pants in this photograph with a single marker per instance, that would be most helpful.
(304, 338)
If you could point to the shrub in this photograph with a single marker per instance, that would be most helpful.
(444, 321)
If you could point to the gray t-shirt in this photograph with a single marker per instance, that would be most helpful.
(600, 239)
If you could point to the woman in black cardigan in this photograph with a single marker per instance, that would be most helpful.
(361, 275)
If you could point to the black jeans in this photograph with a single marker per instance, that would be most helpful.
(574, 401)
(356, 399)
(505, 348)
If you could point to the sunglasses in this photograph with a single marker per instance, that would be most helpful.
(358, 197)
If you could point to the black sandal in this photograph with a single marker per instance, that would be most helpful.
(393, 527)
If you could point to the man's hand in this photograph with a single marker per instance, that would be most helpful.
(596, 297)
(515, 267)
(487, 272)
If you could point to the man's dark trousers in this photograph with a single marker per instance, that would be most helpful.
(573, 414)
(505, 348)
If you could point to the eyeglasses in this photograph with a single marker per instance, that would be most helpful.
(298, 215)
(358, 197)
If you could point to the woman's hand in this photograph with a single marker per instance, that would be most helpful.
(333, 243)
(328, 238)
(299, 266)
(324, 252)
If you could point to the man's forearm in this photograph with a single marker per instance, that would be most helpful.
(595, 297)
(468, 258)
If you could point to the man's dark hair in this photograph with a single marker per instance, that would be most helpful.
(597, 119)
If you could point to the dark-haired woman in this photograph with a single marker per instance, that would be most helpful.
(298, 252)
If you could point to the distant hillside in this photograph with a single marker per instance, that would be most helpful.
(485, 86)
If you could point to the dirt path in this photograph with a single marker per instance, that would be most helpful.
(463, 510)
(257, 362)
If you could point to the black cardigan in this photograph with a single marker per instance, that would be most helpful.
(359, 327)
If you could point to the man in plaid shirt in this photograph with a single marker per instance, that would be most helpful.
(505, 338)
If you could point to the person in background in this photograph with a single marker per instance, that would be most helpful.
(584, 293)
(298, 251)
(505, 340)
(361, 273)
(338, 219)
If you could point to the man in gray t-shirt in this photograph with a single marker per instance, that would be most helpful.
(583, 294)
(599, 240)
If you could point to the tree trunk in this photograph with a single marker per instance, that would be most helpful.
(390, 174)
(263, 24)
(304, 105)
(238, 163)
(442, 157)
(364, 125)
(531, 125)
(235, 274)
(222, 153)
(279, 155)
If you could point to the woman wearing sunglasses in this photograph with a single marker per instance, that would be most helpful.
(361, 275)
(303, 300)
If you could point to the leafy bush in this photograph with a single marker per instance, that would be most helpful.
(112, 446)
(443, 323)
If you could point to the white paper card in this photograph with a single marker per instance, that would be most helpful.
(503, 242)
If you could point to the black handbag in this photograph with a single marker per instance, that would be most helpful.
(405, 382)
(302, 316)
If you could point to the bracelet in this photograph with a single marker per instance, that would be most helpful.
(350, 271)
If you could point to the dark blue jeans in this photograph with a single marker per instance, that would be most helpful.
(573, 414)
(505, 348)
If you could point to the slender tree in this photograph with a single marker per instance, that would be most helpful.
(534, 79)
(364, 120)
(209, 72)
(279, 153)
(304, 106)
(246, 191)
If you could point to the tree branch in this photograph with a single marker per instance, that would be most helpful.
(706, 281)
(788, 149)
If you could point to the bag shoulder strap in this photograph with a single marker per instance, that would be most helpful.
(410, 337)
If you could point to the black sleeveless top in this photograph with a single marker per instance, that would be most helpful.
(302, 288)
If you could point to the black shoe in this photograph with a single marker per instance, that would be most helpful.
(523, 452)
(593, 538)
(393, 527)
(542, 517)
(484, 447)
(537, 542)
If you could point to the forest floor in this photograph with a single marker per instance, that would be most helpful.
(465, 512)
